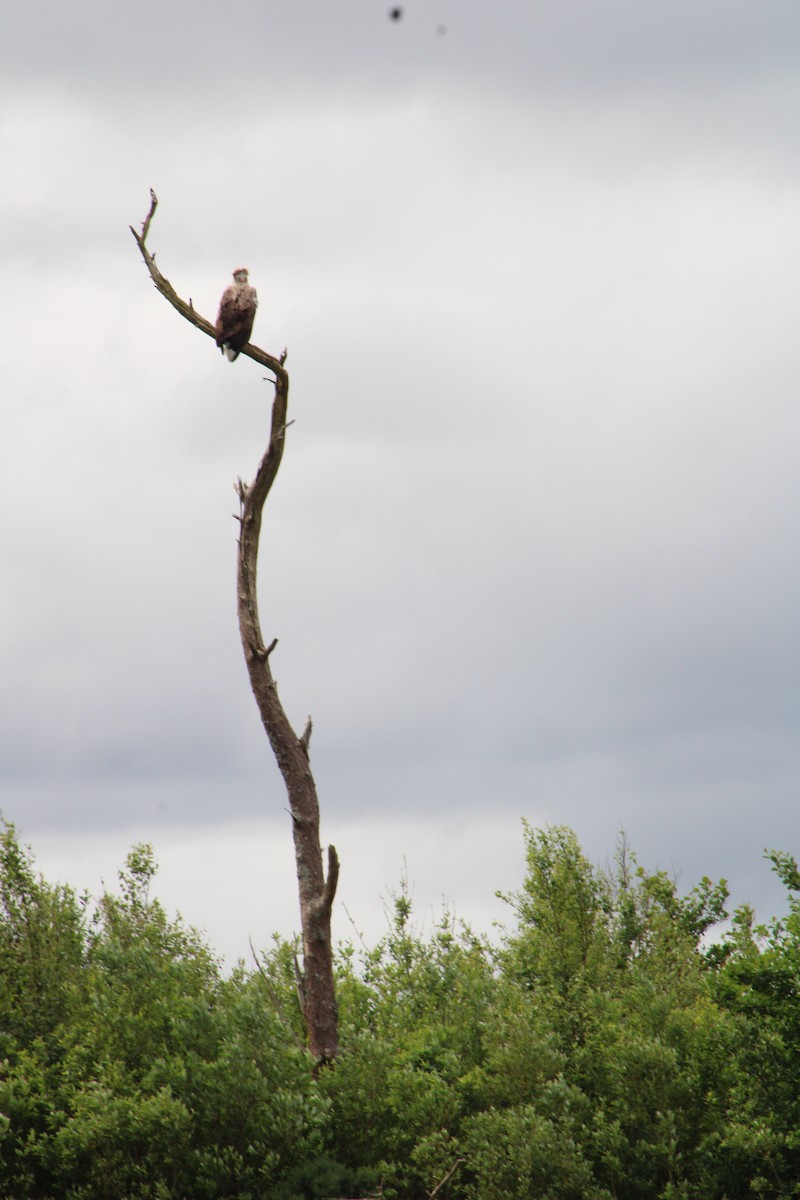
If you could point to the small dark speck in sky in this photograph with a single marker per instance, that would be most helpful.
(395, 14)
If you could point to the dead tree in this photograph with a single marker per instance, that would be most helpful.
(316, 888)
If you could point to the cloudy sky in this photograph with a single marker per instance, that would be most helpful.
(533, 551)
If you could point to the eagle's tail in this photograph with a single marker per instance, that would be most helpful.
(231, 355)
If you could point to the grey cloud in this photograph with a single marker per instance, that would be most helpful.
(531, 551)
(194, 52)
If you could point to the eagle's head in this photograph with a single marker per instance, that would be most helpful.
(240, 274)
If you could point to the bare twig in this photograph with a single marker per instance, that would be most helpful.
(445, 1178)
(149, 217)
(267, 650)
(356, 930)
(274, 996)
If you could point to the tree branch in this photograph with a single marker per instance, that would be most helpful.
(188, 310)
(333, 878)
(445, 1178)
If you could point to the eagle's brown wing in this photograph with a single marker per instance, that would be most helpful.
(237, 312)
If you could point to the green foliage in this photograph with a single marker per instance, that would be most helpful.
(41, 946)
(607, 1049)
(412, 1025)
(612, 961)
(761, 986)
(561, 910)
(518, 1153)
(162, 1079)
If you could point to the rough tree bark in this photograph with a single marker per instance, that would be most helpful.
(316, 888)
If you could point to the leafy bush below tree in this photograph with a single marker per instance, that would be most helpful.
(605, 1049)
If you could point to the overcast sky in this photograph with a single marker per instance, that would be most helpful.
(533, 551)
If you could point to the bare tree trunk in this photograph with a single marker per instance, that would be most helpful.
(316, 890)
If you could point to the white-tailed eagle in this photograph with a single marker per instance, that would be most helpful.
(237, 311)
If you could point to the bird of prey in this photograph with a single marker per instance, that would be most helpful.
(237, 311)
